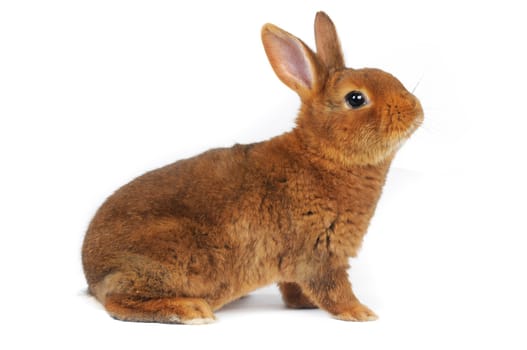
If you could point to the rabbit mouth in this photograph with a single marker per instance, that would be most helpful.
(414, 126)
(399, 131)
(401, 123)
(402, 131)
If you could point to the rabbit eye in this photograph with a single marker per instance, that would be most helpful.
(355, 99)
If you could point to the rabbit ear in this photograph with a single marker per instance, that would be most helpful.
(328, 44)
(294, 63)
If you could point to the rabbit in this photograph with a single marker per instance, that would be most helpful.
(178, 243)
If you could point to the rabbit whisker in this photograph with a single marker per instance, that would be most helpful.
(418, 82)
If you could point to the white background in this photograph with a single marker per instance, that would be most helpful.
(94, 93)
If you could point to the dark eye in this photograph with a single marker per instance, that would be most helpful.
(355, 99)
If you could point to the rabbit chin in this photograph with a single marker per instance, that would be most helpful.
(379, 153)
(384, 153)
(373, 155)
(395, 142)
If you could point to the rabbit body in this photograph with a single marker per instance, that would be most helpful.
(180, 242)
(224, 223)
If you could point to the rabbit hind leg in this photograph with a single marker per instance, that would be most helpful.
(162, 310)
(127, 297)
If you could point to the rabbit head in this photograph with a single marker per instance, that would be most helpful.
(353, 116)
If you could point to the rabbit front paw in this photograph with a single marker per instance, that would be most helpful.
(357, 312)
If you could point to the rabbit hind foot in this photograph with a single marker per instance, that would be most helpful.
(163, 310)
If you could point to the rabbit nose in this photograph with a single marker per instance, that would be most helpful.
(408, 97)
(411, 105)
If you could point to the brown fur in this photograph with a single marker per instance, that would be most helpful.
(181, 241)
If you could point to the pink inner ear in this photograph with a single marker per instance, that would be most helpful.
(295, 62)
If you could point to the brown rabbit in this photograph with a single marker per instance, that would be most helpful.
(181, 241)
